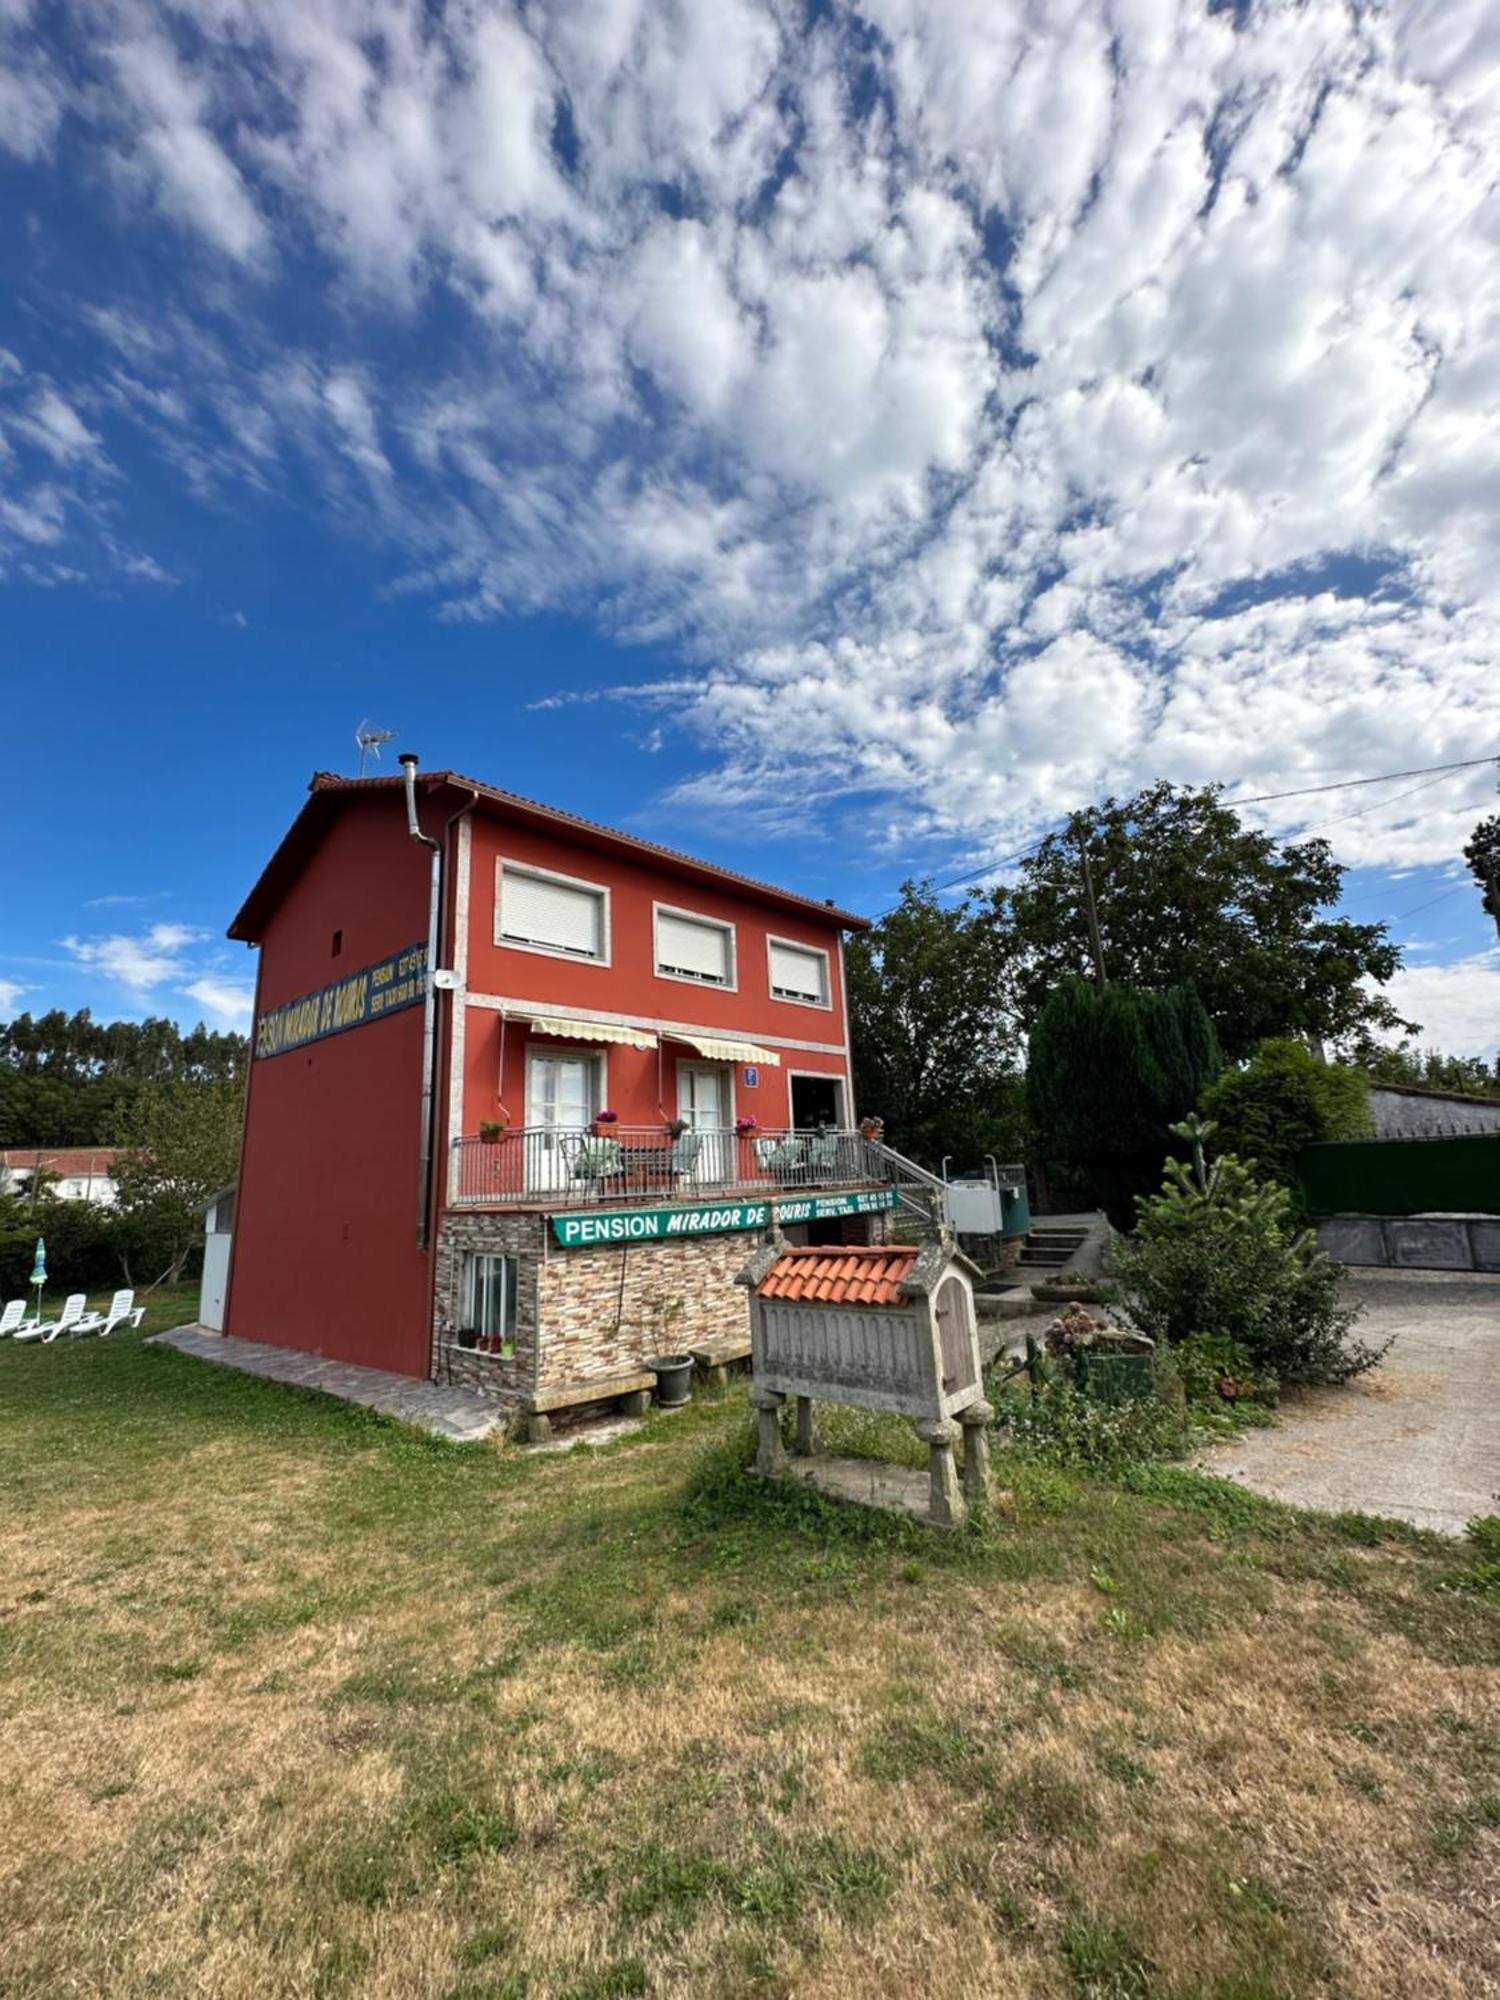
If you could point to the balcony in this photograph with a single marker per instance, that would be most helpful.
(559, 1167)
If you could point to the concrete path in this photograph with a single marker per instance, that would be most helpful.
(456, 1414)
(1418, 1438)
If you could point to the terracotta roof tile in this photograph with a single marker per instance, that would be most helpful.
(841, 1275)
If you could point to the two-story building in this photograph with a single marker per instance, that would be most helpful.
(542, 1166)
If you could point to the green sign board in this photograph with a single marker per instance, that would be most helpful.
(660, 1225)
(383, 988)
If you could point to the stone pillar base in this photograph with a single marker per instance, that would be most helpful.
(976, 1420)
(770, 1455)
(807, 1430)
(946, 1504)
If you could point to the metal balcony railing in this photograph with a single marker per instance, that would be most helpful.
(558, 1166)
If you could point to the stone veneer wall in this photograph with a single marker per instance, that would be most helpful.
(515, 1235)
(599, 1313)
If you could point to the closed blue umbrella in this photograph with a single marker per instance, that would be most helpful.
(39, 1271)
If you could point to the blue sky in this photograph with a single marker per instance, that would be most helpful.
(838, 440)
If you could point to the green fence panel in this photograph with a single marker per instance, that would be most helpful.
(1402, 1176)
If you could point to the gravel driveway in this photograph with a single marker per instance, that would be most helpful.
(1417, 1438)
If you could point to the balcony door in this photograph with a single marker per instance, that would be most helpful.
(705, 1106)
(564, 1093)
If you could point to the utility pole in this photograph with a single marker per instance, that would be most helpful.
(1096, 943)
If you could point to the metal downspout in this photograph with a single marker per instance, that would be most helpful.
(429, 1000)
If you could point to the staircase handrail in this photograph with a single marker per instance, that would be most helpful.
(903, 1169)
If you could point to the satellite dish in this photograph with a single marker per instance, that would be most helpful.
(369, 739)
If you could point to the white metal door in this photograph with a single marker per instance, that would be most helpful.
(703, 1106)
(562, 1098)
(215, 1280)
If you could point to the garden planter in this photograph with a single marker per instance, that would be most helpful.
(674, 1379)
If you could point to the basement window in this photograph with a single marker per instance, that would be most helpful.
(489, 1293)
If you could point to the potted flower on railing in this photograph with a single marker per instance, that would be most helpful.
(605, 1123)
(746, 1127)
(872, 1129)
(675, 1127)
(492, 1130)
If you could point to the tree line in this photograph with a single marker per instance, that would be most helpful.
(171, 1099)
(1213, 941)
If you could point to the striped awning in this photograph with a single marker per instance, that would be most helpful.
(589, 1031)
(735, 1052)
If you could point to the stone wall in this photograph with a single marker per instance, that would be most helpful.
(594, 1314)
(1414, 1242)
(507, 1235)
(608, 1310)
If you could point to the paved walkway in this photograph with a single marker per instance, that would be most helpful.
(456, 1414)
(1418, 1438)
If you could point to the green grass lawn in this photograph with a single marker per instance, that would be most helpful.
(295, 1702)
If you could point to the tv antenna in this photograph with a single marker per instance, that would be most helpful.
(369, 739)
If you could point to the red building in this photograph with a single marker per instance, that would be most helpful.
(427, 1183)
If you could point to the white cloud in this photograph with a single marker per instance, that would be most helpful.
(139, 963)
(993, 406)
(225, 1002)
(1458, 1004)
(10, 992)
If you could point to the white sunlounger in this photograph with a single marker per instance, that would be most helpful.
(13, 1319)
(74, 1308)
(122, 1308)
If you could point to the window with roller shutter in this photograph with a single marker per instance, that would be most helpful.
(694, 948)
(798, 972)
(552, 913)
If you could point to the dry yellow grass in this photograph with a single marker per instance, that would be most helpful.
(294, 1706)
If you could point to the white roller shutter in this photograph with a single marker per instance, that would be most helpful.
(797, 973)
(693, 949)
(534, 910)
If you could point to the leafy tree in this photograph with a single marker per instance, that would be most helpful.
(1282, 1100)
(1187, 894)
(183, 1142)
(1218, 1254)
(1108, 1072)
(69, 1080)
(935, 1047)
(1429, 1069)
(81, 1248)
(1482, 852)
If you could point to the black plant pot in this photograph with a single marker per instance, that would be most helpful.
(467, 1337)
(674, 1379)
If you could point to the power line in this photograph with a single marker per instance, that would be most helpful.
(1344, 784)
(1259, 798)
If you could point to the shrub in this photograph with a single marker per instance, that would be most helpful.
(81, 1252)
(1282, 1100)
(1106, 1073)
(1066, 1426)
(1218, 1252)
(1215, 1369)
